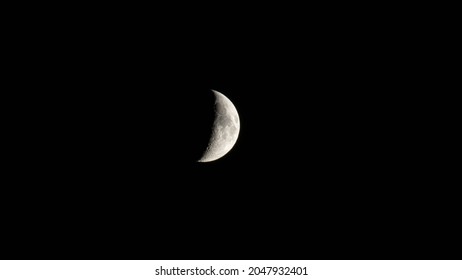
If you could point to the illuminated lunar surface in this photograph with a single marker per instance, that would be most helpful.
(225, 129)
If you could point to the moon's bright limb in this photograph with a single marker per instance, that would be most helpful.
(225, 129)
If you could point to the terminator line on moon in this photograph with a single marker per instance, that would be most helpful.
(225, 129)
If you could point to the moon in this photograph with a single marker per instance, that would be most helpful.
(225, 129)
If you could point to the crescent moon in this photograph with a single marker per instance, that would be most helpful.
(225, 130)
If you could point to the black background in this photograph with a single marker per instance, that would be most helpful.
(334, 160)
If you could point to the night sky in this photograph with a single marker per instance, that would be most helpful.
(328, 164)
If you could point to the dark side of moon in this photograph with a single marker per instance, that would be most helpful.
(201, 127)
